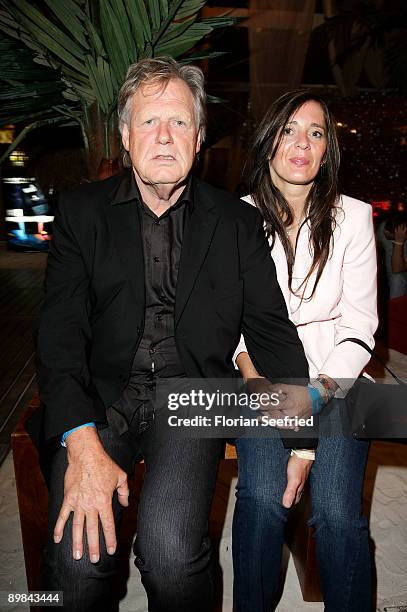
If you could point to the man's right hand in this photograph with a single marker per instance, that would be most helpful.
(271, 402)
(90, 481)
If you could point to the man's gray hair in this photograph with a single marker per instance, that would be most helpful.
(161, 70)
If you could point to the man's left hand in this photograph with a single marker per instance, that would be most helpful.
(297, 473)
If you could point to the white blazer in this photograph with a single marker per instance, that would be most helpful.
(344, 304)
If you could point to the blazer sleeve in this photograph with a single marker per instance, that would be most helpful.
(63, 333)
(358, 302)
(271, 338)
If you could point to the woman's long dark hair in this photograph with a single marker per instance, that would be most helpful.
(322, 199)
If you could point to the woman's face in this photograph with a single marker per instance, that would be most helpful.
(302, 148)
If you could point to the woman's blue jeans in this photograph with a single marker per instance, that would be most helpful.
(343, 555)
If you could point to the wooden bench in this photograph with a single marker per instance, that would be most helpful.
(33, 502)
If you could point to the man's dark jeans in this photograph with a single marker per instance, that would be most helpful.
(172, 547)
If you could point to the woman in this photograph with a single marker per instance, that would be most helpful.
(324, 250)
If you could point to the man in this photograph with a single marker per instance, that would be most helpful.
(151, 274)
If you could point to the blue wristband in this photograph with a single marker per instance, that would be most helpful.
(317, 401)
(66, 434)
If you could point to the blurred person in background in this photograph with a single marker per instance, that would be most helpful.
(392, 241)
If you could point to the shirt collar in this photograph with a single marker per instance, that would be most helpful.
(128, 190)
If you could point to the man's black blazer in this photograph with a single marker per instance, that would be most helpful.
(92, 317)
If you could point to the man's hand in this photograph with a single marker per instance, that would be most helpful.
(294, 400)
(269, 401)
(90, 481)
(297, 473)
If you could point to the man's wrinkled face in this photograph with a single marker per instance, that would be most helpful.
(162, 138)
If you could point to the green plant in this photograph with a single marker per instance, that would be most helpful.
(63, 61)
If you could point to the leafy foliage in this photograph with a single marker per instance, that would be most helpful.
(82, 49)
(27, 91)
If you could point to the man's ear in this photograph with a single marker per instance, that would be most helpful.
(125, 136)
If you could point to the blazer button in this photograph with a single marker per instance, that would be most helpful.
(138, 331)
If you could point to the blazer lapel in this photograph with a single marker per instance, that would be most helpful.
(200, 225)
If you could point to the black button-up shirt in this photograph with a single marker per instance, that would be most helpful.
(157, 355)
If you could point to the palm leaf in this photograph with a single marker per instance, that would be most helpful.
(35, 21)
(189, 7)
(94, 38)
(106, 80)
(34, 91)
(84, 93)
(155, 14)
(67, 13)
(42, 55)
(174, 30)
(221, 22)
(114, 40)
(189, 39)
(52, 45)
(200, 55)
(130, 49)
(164, 7)
(95, 80)
(215, 100)
(73, 77)
(27, 100)
(136, 28)
(8, 23)
(177, 47)
(183, 30)
(140, 22)
(70, 95)
(26, 87)
(17, 62)
(175, 5)
(14, 29)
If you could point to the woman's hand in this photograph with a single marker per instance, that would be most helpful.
(297, 473)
